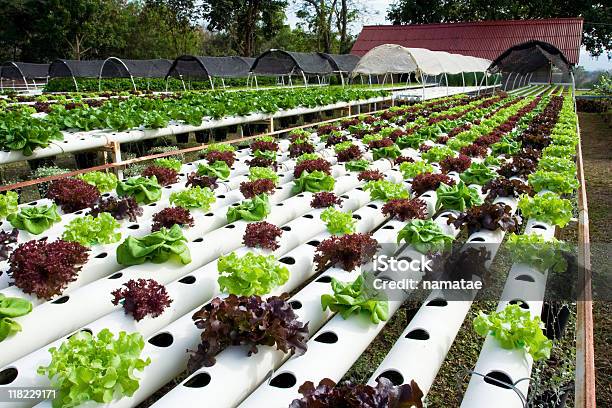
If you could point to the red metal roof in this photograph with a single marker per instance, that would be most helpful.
(484, 39)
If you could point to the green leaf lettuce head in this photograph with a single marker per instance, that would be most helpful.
(250, 274)
(389, 152)
(145, 190)
(169, 163)
(255, 209)
(218, 169)
(193, 197)
(35, 220)
(386, 190)
(340, 147)
(88, 230)
(561, 183)
(220, 147)
(557, 164)
(425, 236)
(539, 253)
(87, 368)
(9, 203)
(566, 152)
(11, 307)
(547, 207)
(410, 170)
(478, 173)
(357, 165)
(356, 297)
(437, 154)
(265, 154)
(313, 182)
(258, 173)
(457, 197)
(157, 247)
(338, 222)
(307, 156)
(103, 181)
(514, 328)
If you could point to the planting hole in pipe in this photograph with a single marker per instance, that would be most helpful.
(33, 203)
(477, 239)
(208, 214)
(106, 195)
(394, 376)
(418, 334)
(498, 379)
(344, 196)
(220, 196)
(286, 228)
(300, 195)
(231, 226)
(101, 255)
(360, 188)
(152, 204)
(134, 226)
(522, 304)
(327, 338)
(279, 188)
(280, 204)
(295, 304)
(284, 380)
(388, 227)
(287, 260)
(83, 330)
(79, 212)
(427, 195)
(116, 276)
(525, 278)
(374, 206)
(199, 380)
(164, 339)
(188, 280)
(168, 187)
(309, 216)
(357, 216)
(313, 243)
(539, 226)
(199, 239)
(324, 279)
(8, 375)
(61, 300)
(438, 302)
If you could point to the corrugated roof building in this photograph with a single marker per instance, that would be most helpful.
(484, 39)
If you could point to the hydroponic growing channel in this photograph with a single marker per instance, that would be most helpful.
(248, 276)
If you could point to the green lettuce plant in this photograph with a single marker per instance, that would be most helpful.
(218, 169)
(145, 190)
(542, 254)
(307, 156)
(561, 183)
(457, 197)
(169, 163)
(9, 204)
(35, 220)
(255, 209)
(99, 369)
(371, 138)
(505, 146)
(356, 297)
(220, 147)
(566, 152)
(514, 328)
(103, 181)
(557, 164)
(313, 182)
(257, 173)
(425, 236)
(265, 154)
(386, 190)
(357, 165)
(11, 307)
(411, 170)
(340, 147)
(389, 152)
(250, 274)
(547, 207)
(492, 161)
(88, 230)
(193, 197)
(478, 173)
(338, 222)
(437, 154)
(157, 247)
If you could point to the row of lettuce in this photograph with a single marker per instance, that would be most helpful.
(494, 142)
(21, 131)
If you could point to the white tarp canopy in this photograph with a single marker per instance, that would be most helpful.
(395, 59)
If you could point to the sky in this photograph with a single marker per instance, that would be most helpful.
(377, 13)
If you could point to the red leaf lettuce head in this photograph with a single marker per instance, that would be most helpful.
(312, 165)
(262, 235)
(142, 298)
(325, 199)
(349, 251)
(250, 189)
(429, 181)
(73, 194)
(164, 175)
(405, 209)
(170, 216)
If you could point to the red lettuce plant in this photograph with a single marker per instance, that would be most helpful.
(442, 139)
(325, 199)
(377, 144)
(334, 139)
(349, 251)
(429, 181)
(250, 189)
(403, 159)
(474, 150)
(45, 268)
(397, 133)
(487, 140)
(262, 235)
(352, 153)
(529, 153)
(119, 208)
(348, 395)
(405, 209)
(227, 157)
(312, 165)
(486, 216)
(424, 148)
(370, 175)
(518, 167)
(170, 216)
(247, 321)
(263, 146)
(262, 162)
(326, 129)
(73, 194)
(142, 298)
(298, 149)
(346, 123)
(164, 175)
(458, 164)
(195, 180)
(503, 187)
(7, 239)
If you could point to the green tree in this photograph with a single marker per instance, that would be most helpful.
(597, 32)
